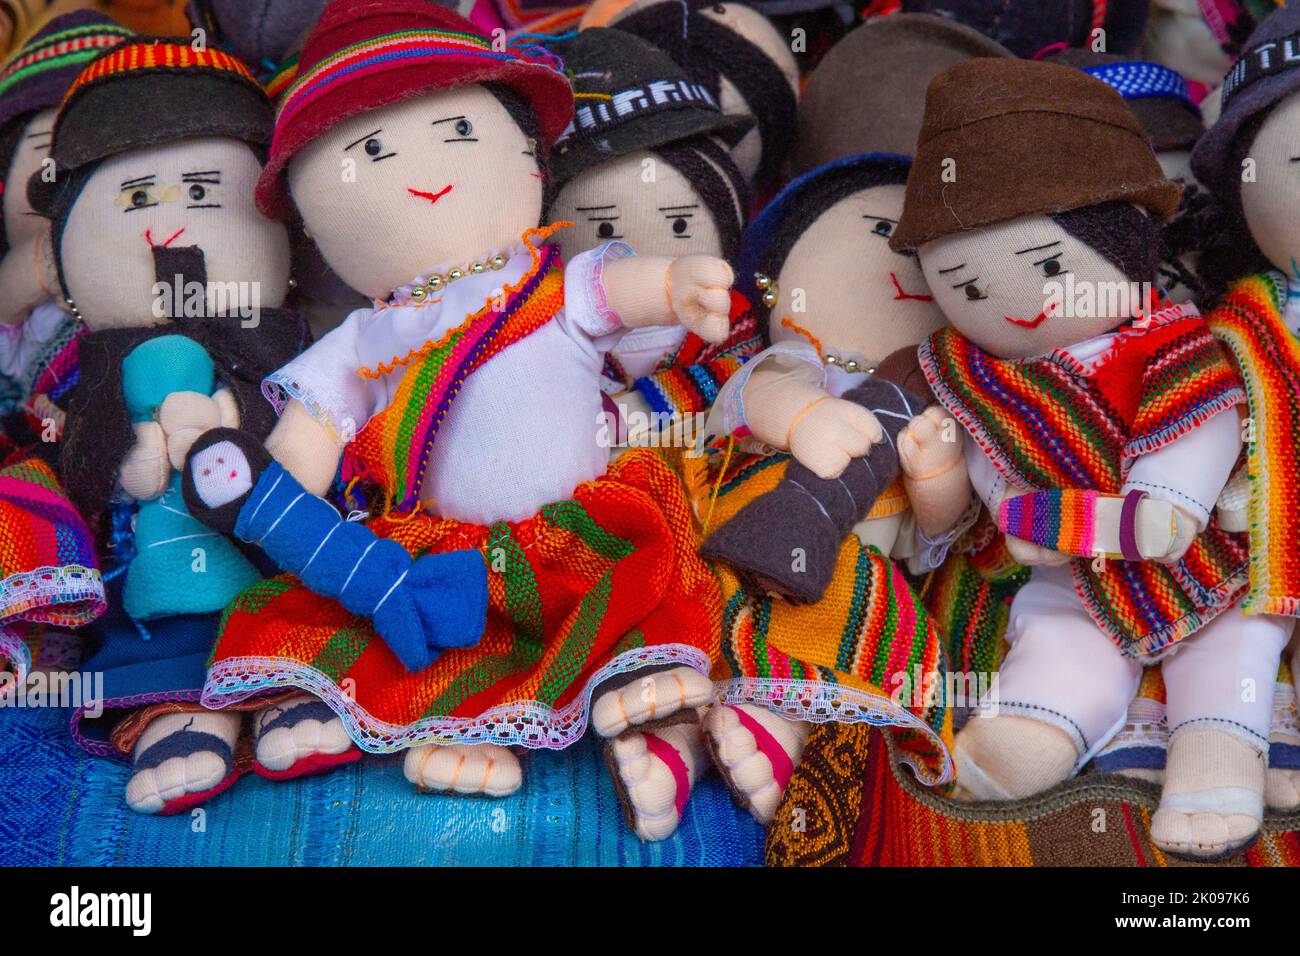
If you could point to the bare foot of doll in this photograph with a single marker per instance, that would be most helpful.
(755, 750)
(1143, 773)
(181, 760)
(299, 737)
(650, 697)
(654, 771)
(470, 769)
(1213, 799)
(1007, 757)
(1282, 789)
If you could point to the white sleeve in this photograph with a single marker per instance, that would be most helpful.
(587, 316)
(987, 481)
(324, 379)
(1190, 472)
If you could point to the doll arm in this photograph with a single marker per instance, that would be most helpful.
(693, 291)
(935, 472)
(145, 470)
(25, 279)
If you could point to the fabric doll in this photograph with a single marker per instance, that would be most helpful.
(1027, 28)
(466, 401)
(742, 60)
(823, 244)
(180, 283)
(1245, 160)
(1103, 431)
(36, 350)
(654, 177)
(868, 93)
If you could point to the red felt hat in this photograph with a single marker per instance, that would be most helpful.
(364, 54)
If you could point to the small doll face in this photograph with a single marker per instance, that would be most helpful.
(182, 209)
(22, 225)
(641, 200)
(433, 181)
(1026, 287)
(1272, 202)
(843, 285)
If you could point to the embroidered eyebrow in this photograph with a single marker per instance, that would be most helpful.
(1046, 245)
(944, 272)
(140, 181)
(449, 119)
(40, 132)
(694, 205)
(868, 215)
(361, 139)
(210, 177)
(966, 283)
(594, 208)
(1049, 258)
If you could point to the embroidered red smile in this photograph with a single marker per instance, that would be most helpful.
(1036, 321)
(432, 197)
(907, 295)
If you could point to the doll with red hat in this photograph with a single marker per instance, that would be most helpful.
(505, 584)
(1104, 427)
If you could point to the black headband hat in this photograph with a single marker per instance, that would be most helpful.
(630, 96)
(1267, 73)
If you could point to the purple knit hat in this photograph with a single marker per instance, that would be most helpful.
(37, 76)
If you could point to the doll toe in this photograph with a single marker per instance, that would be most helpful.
(151, 790)
(647, 785)
(476, 770)
(301, 736)
(651, 697)
(1282, 789)
(1202, 835)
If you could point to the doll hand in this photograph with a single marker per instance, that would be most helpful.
(830, 433)
(184, 416)
(145, 469)
(1172, 531)
(1032, 555)
(698, 290)
(930, 445)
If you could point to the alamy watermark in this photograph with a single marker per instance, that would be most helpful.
(192, 299)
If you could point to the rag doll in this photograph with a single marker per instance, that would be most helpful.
(180, 283)
(735, 53)
(1103, 429)
(868, 93)
(1246, 160)
(844, 314)
(508, 584)
(37, 330)
(1026, 27)
(654, 177)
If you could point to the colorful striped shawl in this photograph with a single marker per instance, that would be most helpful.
(1049, 423)
(393, 448)
(1249, 321)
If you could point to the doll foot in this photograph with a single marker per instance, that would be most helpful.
(298, 738)
(1282, 789)
(220, 472)
(471, 769)
(653, 773)
(756, 751)
(182, 760)
(649, 697)
(1213, 799)
(1008, 757)
(1156, 776)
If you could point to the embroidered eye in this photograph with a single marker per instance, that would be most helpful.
(464, 127)
(679, 226)
(139, 198)
(884, 228)
(973, 292)
(197, 193)
(605, 230)
(373, 148)
(1050, 267)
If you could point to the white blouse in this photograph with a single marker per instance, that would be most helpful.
(525, 429)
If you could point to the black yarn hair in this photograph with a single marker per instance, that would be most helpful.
(522, 113)
(10, 137)
(710, 51)
(1123, 234)
(814, 200)
(713, 174)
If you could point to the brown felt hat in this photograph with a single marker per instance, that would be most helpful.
(868, 93)
(1009, 138)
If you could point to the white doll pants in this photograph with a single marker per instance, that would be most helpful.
(1062, 669)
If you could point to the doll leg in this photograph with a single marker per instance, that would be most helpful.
(1219, 685)
(181, 760)
(486, 770)
(755, 750)
(654, 771)
(1061, 693)
(647, 695)
(299, 737)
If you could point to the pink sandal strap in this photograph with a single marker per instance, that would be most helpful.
(676, 766)
(769, 747)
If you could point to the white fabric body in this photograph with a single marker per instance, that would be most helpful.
(20, 344)
(641, 350)
(524, 430)
(1062, 669)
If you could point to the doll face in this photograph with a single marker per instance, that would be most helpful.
(1026, 287)
(22, 225)
(182, 209)
(433, 181)
(641, 200)
(1272, 202)
(843, 284)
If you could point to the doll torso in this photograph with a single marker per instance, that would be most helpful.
(522, 431)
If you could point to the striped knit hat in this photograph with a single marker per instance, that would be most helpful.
(36, 76)
(365, 54)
